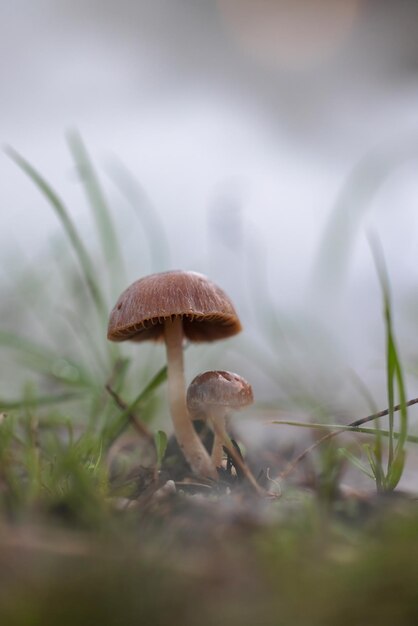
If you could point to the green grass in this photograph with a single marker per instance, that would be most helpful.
(385, 479)
(83, 538)
(395, 382)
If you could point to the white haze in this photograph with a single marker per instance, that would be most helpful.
(216, 138)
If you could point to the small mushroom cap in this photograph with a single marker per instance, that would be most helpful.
(218, 388)
(141, 310)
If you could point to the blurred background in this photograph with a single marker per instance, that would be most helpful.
(264, 140)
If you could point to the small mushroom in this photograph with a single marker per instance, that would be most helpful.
(171, 306)
(212, 396)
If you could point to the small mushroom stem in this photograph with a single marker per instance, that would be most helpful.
(216, 417)
(193, 449)
(217, 450)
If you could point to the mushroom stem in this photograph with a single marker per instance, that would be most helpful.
(217, 419)
(193, 449)
(217, 450)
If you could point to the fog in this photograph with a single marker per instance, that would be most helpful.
(248, 125)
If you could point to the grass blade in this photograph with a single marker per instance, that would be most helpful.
(105, 227)
(342, 428)
(396, 455)
(41, 359)
(151, 223)
(9, 405)
(69, 228)
(351, 205)
(355, 461)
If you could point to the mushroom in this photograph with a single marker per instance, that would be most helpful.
(171, 306)
(211, 396)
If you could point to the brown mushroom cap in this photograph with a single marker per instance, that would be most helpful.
(141, 310)
(218, 388)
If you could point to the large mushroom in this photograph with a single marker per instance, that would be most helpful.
(170, 306)
(212, 396)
